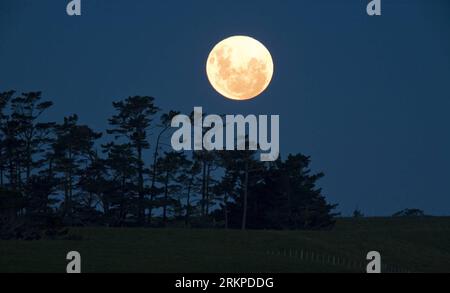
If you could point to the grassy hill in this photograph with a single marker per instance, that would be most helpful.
(410, 245)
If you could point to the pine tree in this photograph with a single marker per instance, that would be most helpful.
(120, 198)
(164, 127)
(226, 190)
(241, 164)
(5, 97)
(132, 121)
(71, 151)
(280, 195)
(191, 182)
(170, 166)
(33, 135)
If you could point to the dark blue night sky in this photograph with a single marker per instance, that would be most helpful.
(367, 97)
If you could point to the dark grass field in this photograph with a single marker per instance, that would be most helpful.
(406, 245)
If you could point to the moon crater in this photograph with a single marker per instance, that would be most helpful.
(240, 68)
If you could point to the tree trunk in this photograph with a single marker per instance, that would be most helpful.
(208, 172)
(244, 212)
(225, 203)
(123, 213)
(66, 195)
(188, 204)
(203, 188)
(70, 197)
(19, 176)
(166, 198)
(154, 174)
(12, 175)
(29, 162)
(141, 212)
(68, 189)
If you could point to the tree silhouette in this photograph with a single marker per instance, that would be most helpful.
(170, 167)
(4, 131)
(190, 181)
(226, 189)
(27, 109)
(52, 175)
(165, 125)
(410, 213)
(132, 121)
(119, 197)
(282, 195)
(72, 149)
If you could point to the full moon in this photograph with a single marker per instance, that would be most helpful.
(240, 68)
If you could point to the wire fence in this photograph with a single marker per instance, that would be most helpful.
(332, 260)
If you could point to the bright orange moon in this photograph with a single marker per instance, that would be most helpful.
(240, 68)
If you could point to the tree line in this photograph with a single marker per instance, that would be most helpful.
(62, 174)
